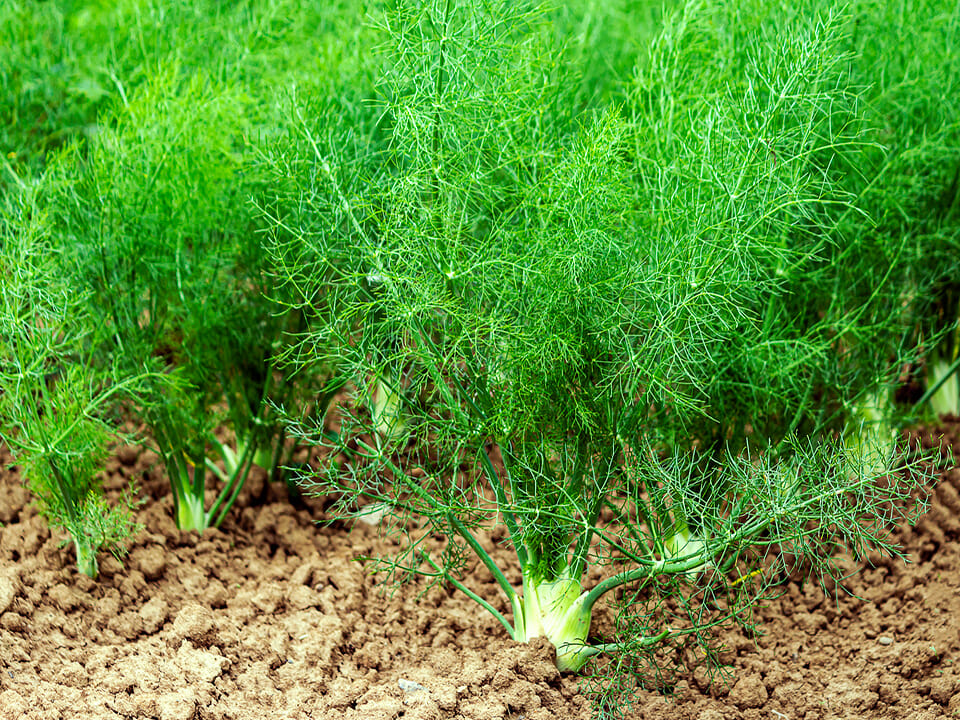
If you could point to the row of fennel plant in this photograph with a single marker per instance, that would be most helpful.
(638, 305)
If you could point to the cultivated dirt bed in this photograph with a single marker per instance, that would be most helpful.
(273, 617)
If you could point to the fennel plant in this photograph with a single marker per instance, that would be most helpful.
(620, 325)
(55, 404)
(151, 149)
(907, 59)
(162, 227)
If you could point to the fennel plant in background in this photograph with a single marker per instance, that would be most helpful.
(907, 58)
(63, 63)
(53, 80)
(831, 332)
(616, 330)
(55, 402)
(161, 225)
(942, 367)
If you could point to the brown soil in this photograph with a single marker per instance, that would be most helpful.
(273, 617)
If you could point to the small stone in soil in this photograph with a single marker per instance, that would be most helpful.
(409, 686)
(374, 513)
(884, 640)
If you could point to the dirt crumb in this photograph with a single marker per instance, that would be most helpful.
(194, 622)
(9, 587)
(151, 561)
(180, 705)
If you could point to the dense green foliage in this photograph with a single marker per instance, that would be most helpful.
(147, 193)
(55, 410)
(660, 325)
(635, 286)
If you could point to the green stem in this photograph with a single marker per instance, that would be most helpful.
(66, 492)
(508, 516)
(460, 528)
(932, 390)
(644, 573)
(467, 397)
(86, 558)
(186, 498)
(86, 554)
(439, 380)
(470, 594)
(190, 514)
(230, 491)
(644, 641)
(325, 168)
(438, 97)
(578, 560)
(484, 557)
